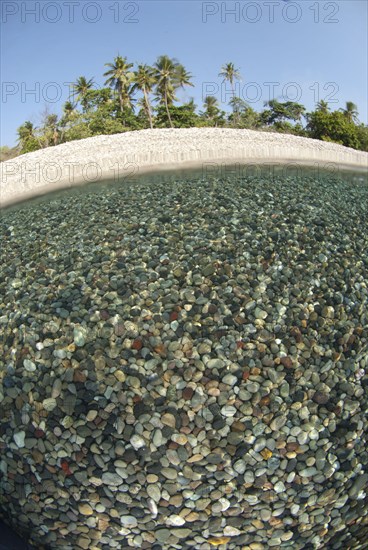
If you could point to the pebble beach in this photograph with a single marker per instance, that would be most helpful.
(184, 359)
(184, 364)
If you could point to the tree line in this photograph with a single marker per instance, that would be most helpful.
(145, 96)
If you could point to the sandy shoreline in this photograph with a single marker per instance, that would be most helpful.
(114, 157)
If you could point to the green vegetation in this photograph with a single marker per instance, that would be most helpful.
(335, 127)
(7, 153)
(147, 98)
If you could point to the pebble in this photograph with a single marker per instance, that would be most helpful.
(84, 542)
(360, 484)
(218, 541)
(175, 520)
(29, 365)
(129, 521)
(109, 478)
(308, 472)
(137, 442)
(168, 420)
(231, 531)
(248, 477)
(162, 535)
(85, 509)
(228, 411)
(49, 404)
(265, 514)
(230, 380)
(56, 388)
(91, 415)
(152, 506)
(240, 466)
(215, 364)
(19, 439)
(180, 439)
(320, 398)
(260, 444)
(253, 387)
(279, 487)
(154, 492)
(181, 533)
(79, 336)
(274, 541)
(304, 413)
(169, 473)
(278, 422)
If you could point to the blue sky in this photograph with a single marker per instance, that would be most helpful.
(303, 50)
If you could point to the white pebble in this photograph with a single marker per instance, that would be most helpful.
(29, 365)
(228, 410)
(19, 439)
(137, 442)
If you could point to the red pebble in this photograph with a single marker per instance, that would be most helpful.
(174, 315)
(65, 468)
(287, 362)
(137, 344)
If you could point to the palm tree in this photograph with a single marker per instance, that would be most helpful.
(120, 78)
(51, 130)
(165, 75)
(210, 105)
(296, 110)
(27, 138)
(350, 111)
(68, 109)
(170, 75)
(144, 80)
(322, 106)
(183, 76)
(26, 130)
(81, 88)
(70, 114)
(230, 73)
(238, 104)
(191, 105)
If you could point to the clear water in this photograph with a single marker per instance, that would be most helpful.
(108, 291)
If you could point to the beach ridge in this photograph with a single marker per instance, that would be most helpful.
(117, 156)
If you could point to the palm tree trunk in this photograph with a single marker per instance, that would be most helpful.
(120, 92)
(84, 103)
(148, 107)
(235, 119)
(167, 110)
